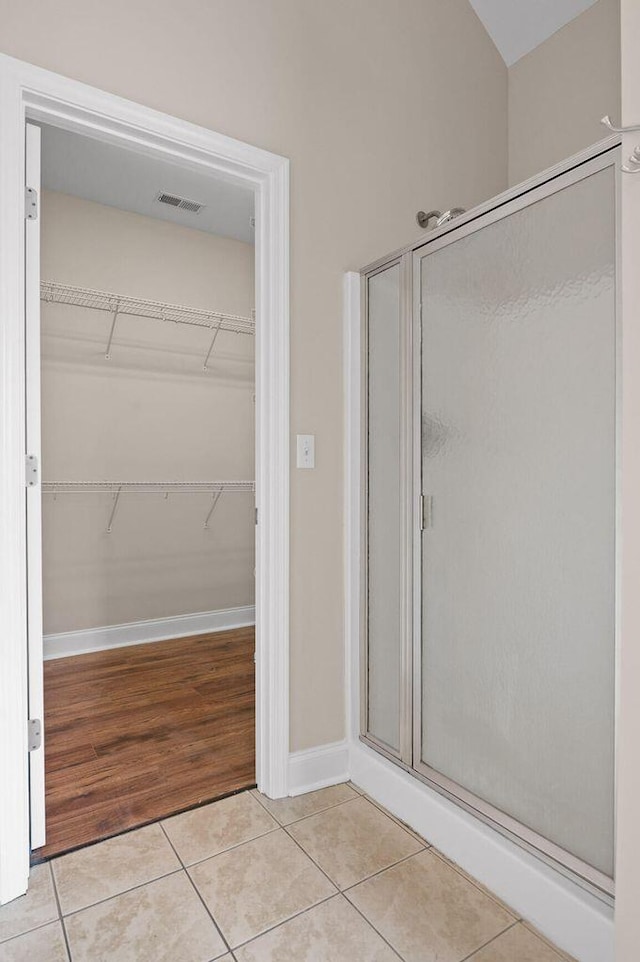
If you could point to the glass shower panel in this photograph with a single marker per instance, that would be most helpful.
(384, 507)
(519, 458)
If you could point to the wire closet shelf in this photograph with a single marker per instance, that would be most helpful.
(120, 305)
(116, 488)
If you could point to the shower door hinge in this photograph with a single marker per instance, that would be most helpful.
(426, 502)
(34, 734)
(256, 516)
(31, 470)
(31, 203)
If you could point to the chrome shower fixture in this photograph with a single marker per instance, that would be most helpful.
(423, 218)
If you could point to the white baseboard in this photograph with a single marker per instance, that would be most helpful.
(565, 913)
(141, 632)
(318, 767)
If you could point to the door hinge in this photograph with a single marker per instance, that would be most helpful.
(34, 734)
(31, 471)
(256, 516)
(31, 203)
(426, 504)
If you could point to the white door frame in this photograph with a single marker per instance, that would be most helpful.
(30, 92)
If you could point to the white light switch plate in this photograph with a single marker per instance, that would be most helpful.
(306, 451)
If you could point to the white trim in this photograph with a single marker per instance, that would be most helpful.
(48, 97)
(352, 366)
(571, 917)
(37, 813)
(66, 643)
(14, 804)
(318, 767)
(576, 921)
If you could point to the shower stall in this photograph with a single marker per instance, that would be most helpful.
(490, 430)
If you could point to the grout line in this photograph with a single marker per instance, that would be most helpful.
(117, 895)
(279, 925)
(279, 828)
(398, 821)
(336, 890)
(209, 913)
(312, 860)
(485, 944)
(371, 925)
(344, 801)
(341, 892)
(476, 884)
(381, 871)
(290, 918)
(195, 889)
(60, 915)
(230, 849)
(384, 869)
(562, 955)
(171, 845)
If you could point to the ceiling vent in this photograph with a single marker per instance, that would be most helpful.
(180, 203)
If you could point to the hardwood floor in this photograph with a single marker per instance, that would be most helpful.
(135, 734)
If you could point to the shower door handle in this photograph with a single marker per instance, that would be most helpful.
(426, 511)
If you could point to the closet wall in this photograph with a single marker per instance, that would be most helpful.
(150, 413)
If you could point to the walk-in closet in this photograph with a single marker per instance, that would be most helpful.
(147, 425)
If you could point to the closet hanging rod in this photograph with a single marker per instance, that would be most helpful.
(121, 305)
(148, 487)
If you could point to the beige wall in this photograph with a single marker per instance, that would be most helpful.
(559, 91)
(150, 413)
(383, 108)
(628, 812)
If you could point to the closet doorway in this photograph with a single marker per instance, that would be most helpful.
(146, 417)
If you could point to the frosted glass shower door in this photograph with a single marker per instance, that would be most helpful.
(518, 558)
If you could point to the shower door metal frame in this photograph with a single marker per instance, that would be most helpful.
(404, 752)
(602, 155)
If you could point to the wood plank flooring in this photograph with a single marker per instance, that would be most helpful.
(135, 734)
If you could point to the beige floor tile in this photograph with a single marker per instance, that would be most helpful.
(257, 885)
(45, 944)
(288, 810)
(399, 821)
(518, 944)
(206, 831)
(428, 911)
(100, 871)
(35, 908)
(353, 840)
(331, 932)
(474, 881)
(162, 921)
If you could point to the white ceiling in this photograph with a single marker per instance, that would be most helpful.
(94, 170)
(519, 26)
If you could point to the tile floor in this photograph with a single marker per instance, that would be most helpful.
(325, 877)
